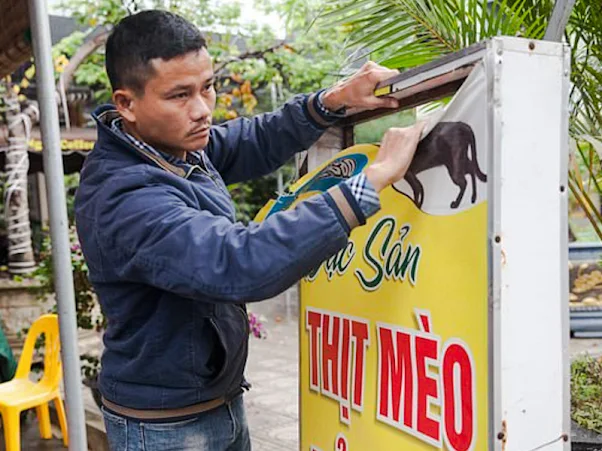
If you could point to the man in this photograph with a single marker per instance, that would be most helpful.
(170, 265)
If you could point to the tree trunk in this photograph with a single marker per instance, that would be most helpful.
(80, 55)
(16, 208)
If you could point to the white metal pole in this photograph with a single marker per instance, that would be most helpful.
(59, 233)
(559, 20)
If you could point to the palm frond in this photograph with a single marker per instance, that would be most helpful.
(406, 33)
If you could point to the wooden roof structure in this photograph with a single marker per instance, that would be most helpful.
(15, 35)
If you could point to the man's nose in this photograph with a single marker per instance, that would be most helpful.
(199, 108)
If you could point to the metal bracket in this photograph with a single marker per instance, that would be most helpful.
(433, 81)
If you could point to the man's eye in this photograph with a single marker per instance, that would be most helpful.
(209, 87)
(180, 95)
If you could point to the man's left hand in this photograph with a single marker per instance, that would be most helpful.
(357, 92)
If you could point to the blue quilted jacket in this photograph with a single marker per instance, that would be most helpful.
(173, 269)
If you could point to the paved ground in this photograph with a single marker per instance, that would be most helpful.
(31, 441)
(272, 403)
(581, 346)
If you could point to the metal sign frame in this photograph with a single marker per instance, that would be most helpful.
(530, 321)
(528, 93)
(433, 81)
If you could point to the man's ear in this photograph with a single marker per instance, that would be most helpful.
(125, 101)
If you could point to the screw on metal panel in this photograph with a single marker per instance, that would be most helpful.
(531, 45)
(562, 188)
(498, 238)
(503, 435)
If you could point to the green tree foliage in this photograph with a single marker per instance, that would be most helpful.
(251, 62)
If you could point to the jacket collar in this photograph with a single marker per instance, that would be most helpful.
(104, 115)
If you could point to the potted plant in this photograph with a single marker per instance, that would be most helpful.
(586, 404)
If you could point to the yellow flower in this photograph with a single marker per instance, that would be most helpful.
(30, 72)
(250, 102)
(62, 59)
(60, 63)
(246, 87)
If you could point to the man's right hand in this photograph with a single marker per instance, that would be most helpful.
(394, 156)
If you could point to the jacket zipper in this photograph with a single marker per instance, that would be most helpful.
(208, 174)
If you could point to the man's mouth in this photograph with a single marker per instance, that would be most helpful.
(199, 131)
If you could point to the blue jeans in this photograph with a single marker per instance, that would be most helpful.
(222, 429)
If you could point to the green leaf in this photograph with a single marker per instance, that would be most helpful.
(352, 7)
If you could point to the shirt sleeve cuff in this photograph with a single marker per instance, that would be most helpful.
(319, 113)
(364, 193)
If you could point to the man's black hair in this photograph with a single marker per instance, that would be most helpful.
(144, 36)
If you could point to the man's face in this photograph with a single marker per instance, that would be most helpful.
(174, 112)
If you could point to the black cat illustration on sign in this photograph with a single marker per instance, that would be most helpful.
(449, 144)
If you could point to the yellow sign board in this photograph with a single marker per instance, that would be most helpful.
(66, 145)
(394, 339)
(393, 329)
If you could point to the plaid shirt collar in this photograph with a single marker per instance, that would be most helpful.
(193, 158)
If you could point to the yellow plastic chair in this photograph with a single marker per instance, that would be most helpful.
(21, 393)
